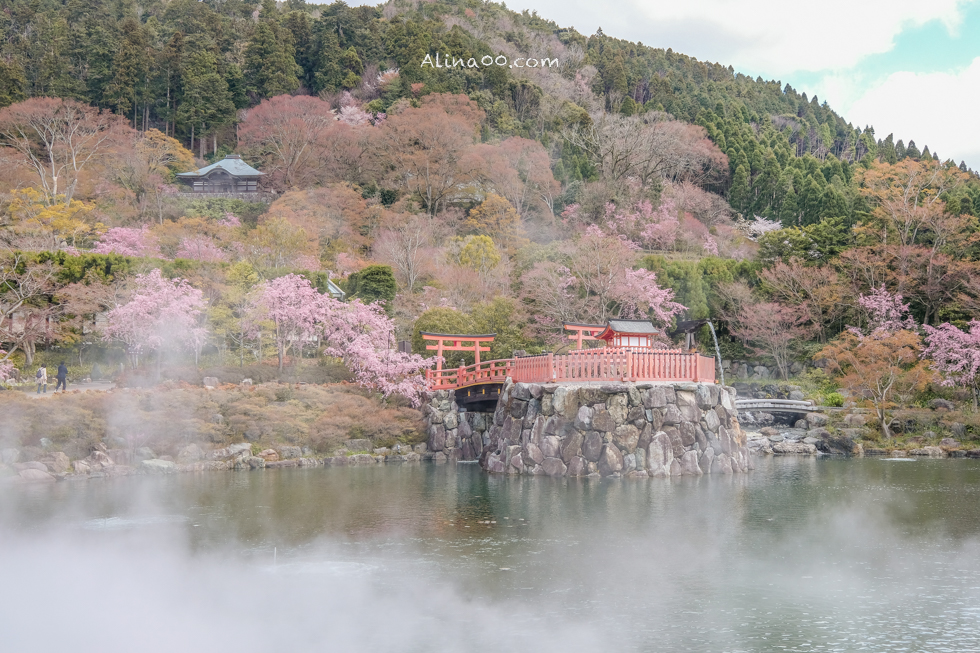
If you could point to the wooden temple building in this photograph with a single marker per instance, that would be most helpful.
(231, 175)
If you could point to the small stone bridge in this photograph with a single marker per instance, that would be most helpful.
(789, 406)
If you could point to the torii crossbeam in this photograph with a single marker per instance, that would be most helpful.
(581, 332)
(454, 342)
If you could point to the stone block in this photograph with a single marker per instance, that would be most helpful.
(592, 446)
(577, 467)
(553, 467)
(571, 446)
(711, 420)
(626, 437)
(687, 433)
(583, 419)
(672, 415)
(655, 397)
(610, 460)
(689, 464)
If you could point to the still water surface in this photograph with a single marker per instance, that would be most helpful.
(800, 555)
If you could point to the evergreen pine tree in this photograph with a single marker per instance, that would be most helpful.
(900, 151)
(886, 152)
(739, 195)
(270, 68)
(12, 83)
(912, 151)
(131, 67)
(206, 103)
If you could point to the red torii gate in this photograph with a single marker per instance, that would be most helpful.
(583, 332)
(457, 341)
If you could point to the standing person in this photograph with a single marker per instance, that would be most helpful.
(42, 379)
(62, 377)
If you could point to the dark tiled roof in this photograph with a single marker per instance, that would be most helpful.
(232, 164)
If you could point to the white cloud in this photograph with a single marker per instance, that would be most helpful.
(764, 35)
(937, 109)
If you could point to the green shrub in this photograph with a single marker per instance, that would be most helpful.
(834, 399)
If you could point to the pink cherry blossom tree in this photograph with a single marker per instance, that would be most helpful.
(886, 314)
(364, 337)
(201, 248)
(294, 307)
(128, 242)
(161, 314)
(639, 296)
(955, 355)
(361, 334)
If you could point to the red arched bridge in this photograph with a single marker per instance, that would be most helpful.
(480, 383)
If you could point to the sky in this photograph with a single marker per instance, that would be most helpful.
(902, 66)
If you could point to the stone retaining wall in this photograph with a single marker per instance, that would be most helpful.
(634, 429)
(457, 435)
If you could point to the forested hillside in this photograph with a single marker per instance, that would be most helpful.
(607, 179)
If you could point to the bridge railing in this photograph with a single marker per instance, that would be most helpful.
(459, 377)
(615, 365)
(581, 366)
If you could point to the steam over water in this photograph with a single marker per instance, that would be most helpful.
(800, 555)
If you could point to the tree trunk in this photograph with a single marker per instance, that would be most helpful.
(192, 137)
(215, 143)
(883, 422)
(203, 141)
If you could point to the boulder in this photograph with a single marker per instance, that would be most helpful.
(269, 455)
(818, 433)
(210, 382)
(157, 466)
(577, 467)
(794, 448)
(360, 444)
(57, 462)
(840, 445)
(363, 459)
(255, 462)
(143, 453)
(797, 395)
(532, 454)
(190, 454)
(800, 424)
(9, 456)
(855, 420)
(816, 420)
(949, 443)
(35, 476)
(941, 404)
(289, 453)
(231, 451)
(931, 452)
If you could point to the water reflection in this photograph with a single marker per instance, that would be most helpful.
(801, 555)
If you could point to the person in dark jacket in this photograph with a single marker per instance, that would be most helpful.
(62, 377)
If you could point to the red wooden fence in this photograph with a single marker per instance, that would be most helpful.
(602, 364)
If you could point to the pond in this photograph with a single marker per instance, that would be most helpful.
(802, 554)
